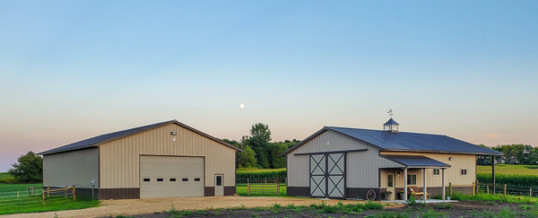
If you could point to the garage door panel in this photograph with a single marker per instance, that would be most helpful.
(179, 176)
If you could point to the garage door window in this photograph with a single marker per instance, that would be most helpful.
(146, 180)
(172, 179)
(197, 179)
(185, 179)
(159, 179)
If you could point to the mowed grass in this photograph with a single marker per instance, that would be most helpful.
(509, 169)
(242, 190)
(10, 204)
(35, 204)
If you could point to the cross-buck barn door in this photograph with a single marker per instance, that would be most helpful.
(327, 175)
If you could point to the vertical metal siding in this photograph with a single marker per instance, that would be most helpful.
(71, 168)
(120, 158)
(362, 167)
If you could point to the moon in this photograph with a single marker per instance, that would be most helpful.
(241, 106)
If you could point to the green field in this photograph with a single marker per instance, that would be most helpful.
(4, 176)
(256, 170)
(509, 169)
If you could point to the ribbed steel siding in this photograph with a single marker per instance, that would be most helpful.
(120, 158)
(452, 174)
(362, 167)
(71, 168)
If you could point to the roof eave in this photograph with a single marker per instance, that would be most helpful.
(443, 152)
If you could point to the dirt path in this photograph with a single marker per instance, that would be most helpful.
(148, 206)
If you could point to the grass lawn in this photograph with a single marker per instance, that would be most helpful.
(10, 190)
(241, 189)
(509, 169)
(34, 204)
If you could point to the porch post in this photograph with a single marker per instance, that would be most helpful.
(424, 183)
(493, 172)
(443, 184)
(405, 184)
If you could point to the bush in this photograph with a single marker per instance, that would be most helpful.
(9, 180)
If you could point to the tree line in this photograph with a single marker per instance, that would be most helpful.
(517, 154)
(259, 151)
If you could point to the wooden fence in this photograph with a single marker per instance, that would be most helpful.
(64, 190)
(263, 187)
(507, 189)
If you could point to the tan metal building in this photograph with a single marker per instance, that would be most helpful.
(338, 162)
(167, 159)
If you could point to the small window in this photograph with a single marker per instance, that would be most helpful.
(390, 181)
(146, 180)
(159, 179)
(172, 179)
(197, 179)
(463, 171)
(219, 180)
(435, 172)
(185, 179)
(411, 179)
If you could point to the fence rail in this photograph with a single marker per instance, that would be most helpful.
(263, 187)
(531, 191)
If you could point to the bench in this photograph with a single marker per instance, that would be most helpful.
(417, 194)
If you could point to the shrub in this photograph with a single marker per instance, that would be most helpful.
(254, 175)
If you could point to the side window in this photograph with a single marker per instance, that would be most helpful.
(390, 181)
(411, 179)
(463, 171)
(435, 172)
(219, 180)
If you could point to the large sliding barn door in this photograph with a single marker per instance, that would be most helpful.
(327, 175)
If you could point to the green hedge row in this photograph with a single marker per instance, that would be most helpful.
(242, 177)
(520, 180)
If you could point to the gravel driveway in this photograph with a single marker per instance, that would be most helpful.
(112, 208)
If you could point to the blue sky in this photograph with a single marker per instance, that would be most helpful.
(70, 70)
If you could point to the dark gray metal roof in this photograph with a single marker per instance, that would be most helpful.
(411, 161)
(93, 142)
(406, 141)
(391, 122)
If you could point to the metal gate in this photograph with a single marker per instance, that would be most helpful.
(328, 175)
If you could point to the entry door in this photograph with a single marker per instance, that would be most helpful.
(219, 185)
(390, 186)
(327, 175)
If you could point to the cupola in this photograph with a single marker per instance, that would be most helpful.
(391, 125)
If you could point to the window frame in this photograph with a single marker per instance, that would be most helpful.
(409, 180)
(436, 170)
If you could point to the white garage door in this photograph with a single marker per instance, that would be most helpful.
(163, 176)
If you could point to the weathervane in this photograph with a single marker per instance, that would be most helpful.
(390, 113)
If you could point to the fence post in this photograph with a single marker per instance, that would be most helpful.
(33, 189)
(277, 188)
(505, 190)
(65, 191)
(74, 193)
(487, 187)
(17, 195)
(248, 188)
(450, 189)
(43, 190)
(530, 192)
(474, 189)
(28, 188)
(48, 191)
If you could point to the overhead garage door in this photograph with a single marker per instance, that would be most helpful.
(166, 176)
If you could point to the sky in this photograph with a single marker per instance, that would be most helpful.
(70, 70)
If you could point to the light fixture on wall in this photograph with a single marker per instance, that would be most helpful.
(398, 173)
(450, 158)
(173, 136)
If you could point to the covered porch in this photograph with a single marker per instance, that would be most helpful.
(413, 177)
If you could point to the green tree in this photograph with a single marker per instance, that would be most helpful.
(277, 149)
(260, 136)
(247, 158)
(29, 168)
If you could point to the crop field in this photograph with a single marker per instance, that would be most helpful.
(4, 176)
(509, 169)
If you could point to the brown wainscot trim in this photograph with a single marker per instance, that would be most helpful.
(229, 190)
(119, 193)
(209, 191)
(298, 191)
(360, 193)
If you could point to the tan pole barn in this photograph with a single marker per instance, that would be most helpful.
(168, 159)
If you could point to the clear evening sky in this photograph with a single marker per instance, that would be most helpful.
(70, 70)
